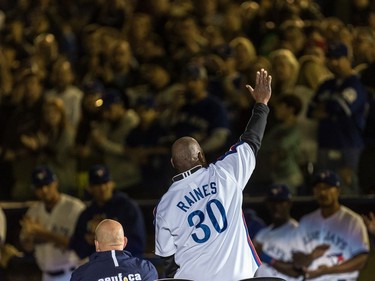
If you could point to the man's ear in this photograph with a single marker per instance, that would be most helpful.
(97, 248)
(202, 159)
(125, 242)
(172, 163)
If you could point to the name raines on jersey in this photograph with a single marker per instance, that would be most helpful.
(195, 195)
(118, 277)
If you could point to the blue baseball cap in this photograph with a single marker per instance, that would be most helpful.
(279, 192)
(337, 50)
(99, 174)
(42, 176)
(327, 176)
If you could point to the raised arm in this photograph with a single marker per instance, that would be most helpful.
(255, 127)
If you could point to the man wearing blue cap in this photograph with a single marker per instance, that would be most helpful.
(201, 115)
(339, 106)
(48, 226)
(108, 204)
(273, 242)
(339, 233)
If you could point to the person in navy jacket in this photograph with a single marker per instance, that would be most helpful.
(111, 261)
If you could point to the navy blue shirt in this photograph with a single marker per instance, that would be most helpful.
(201, 118)
(115, 265)
(345, 102)
(120, 208)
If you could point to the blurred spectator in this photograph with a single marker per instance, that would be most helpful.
(231, 25)
(91, 114)
(339, 107)
(109, 136)
(285, 68)
(282, 157)
(145, 43)
(292, 36)
(147, 143)
(313, 69)
(201, 115)
(108, 203)
(46, 53)
(120, 70)
(47, 227)
(55, 140)
(187, 41)
(62, 79)
(92, 60)
(22, 124)
(114, 13)
(364, 53)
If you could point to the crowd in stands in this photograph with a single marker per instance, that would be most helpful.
(89, 82)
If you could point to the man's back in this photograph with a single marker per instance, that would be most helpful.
(203, 212)
(115, 265)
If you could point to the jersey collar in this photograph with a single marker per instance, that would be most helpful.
(186, 173)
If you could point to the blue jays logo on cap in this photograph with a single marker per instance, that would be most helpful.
(329, 177)
(41, 176)
(279, 192)
(99, 174)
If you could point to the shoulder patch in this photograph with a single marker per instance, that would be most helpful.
(349, 95)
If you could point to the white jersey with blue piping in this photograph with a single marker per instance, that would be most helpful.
(199, 220)
(276, 243)
(61, 220)
(345, 233)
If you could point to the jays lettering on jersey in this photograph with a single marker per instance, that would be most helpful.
(197, 220)
(345, 233)
(115, 266)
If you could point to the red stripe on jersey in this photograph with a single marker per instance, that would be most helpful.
(254, 252)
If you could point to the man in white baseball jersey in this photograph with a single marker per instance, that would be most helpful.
(48, 225)
(200, 230)
(273, 243)
(338, 229)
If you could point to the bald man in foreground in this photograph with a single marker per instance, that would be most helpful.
(199, 227)
(111, 262)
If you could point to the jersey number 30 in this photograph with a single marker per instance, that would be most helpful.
(199, 224)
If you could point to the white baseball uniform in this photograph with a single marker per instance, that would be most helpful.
(61, 220)
(344, 231)
(276, 244)
(199, 220)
